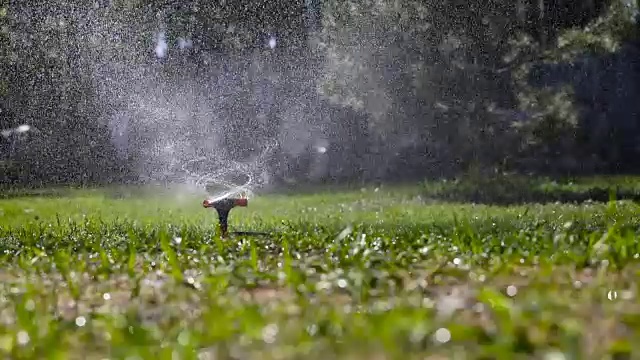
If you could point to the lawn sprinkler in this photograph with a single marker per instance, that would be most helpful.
(223, 207)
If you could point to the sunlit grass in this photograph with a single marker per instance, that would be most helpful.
(368, 273)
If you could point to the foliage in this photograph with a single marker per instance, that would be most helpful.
(456, 76)
(555, 124)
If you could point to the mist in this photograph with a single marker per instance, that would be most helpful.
(179, 114)
(205, 118)
(196, 96)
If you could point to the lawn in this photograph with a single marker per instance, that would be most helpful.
(371, 273)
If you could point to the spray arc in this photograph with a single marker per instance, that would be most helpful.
(234, 195)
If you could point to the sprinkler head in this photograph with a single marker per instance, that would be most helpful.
(226, 203)
(223, 207)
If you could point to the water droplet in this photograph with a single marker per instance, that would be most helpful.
(312, 329)
(106, 296)
(323, 285)
(612, 295)
(555, 355)
(183, 338)
(512, 290)
(442, 335)
(269, 333)
(457, 261)
(23, 128)
(23, 337)
(428, 303)
(81, 321)
(342, 283)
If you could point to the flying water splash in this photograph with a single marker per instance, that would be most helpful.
(219, 178)
(161, 45)
(17, 130)
(272, 42)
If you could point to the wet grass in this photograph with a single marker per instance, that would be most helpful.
(362, 274)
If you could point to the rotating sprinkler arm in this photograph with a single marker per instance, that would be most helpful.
(223, 207)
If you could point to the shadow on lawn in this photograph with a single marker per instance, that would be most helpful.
(8, 193)
(509, 191)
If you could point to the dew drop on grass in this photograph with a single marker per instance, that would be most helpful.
(442, 335)
(312, 329)
(612, 295)
(23, 337)
(342, 283)
(183, 338)
(269, 333)
(323, 285)
(81, 321)
(512, 290)
(428, 303)
(457, 261)
(555, 355)
(106, 296)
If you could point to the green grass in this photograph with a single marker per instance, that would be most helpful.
(354, 274)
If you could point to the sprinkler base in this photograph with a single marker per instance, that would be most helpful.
(223, 207)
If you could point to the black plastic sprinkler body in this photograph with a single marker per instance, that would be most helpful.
(223, 207)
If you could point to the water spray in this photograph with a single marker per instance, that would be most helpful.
(235, 195)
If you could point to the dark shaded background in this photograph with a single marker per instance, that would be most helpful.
(229, 96)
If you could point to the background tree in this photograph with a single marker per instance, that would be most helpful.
(448, 75)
